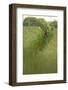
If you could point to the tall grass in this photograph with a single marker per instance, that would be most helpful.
(40, 52)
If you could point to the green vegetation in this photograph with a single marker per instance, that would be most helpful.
(40, 46)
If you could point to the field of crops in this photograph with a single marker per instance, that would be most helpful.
(40, 52)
